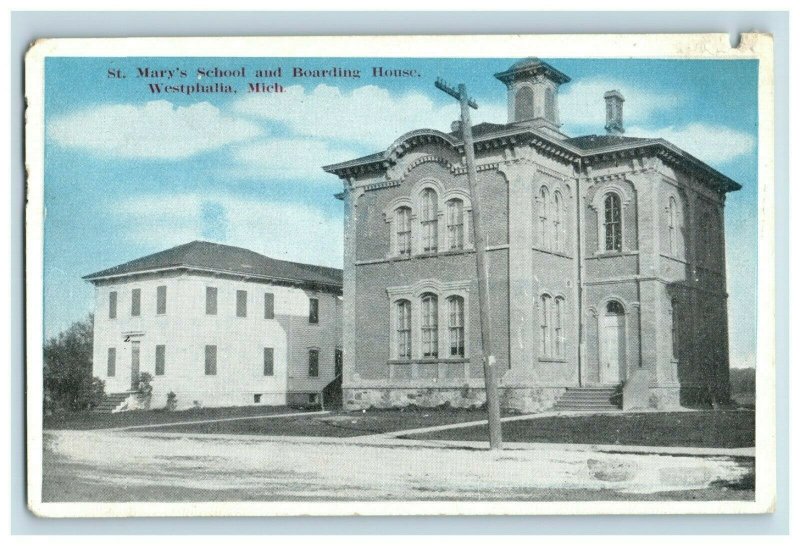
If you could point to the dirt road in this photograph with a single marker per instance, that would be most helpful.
(121, 466)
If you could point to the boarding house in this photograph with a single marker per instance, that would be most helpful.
(605, 259)
(216, 325)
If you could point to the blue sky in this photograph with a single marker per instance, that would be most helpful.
(128, 173)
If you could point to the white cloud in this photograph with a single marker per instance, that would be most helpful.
(369, 116)
(287, 158)
(581, 102)
(286, 231)
(154, 130)
(713, 144)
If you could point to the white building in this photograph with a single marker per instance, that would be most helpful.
(218, 326)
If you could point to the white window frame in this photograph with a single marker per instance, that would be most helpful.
(598, 204)
(414, 293)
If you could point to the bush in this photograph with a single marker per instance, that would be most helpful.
(144, 389)
(68, 381)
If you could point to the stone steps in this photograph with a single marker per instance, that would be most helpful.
(589, 399)
(111, 402)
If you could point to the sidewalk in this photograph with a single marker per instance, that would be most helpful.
(388, 440)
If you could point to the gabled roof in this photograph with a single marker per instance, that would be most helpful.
(214, 257)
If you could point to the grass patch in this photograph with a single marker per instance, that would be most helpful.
(723, 428)
(87, 420)
(336, 424)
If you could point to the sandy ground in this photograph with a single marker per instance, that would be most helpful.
(121, 466)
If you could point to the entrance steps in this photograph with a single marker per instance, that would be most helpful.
(112, 402)
(590, 399)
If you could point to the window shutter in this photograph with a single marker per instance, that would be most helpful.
(269, 361)
(161, 300)
(160, 358)
(136, 302)
(241, 303)
(211, 300)
(313, 311)
(112, 305)
(211, 360)
(269, 305)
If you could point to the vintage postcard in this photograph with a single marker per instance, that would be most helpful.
(400, 275)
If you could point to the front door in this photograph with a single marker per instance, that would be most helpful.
(134, 364)
(612, 350)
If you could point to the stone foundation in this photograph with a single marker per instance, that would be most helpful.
(521, 399)
(664, 398)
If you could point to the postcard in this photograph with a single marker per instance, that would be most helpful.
(439, 275)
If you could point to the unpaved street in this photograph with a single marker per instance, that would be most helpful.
(124, 466)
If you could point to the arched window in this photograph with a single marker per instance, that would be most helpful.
(674, 328)
(544, 215)
(430, 221)
(545, 341)
(455, 224)
(672, 218)
(614, 308)
(558, 323)
(549, 104)
(403, 327)
(613, 222)
(430, 325)
(523, 104)
(455, 325)
(559, 232)
(403, 231)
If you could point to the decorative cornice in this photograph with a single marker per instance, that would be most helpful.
(381, 185)
(478, 168)
(553, 148)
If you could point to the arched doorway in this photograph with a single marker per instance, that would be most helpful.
(612, 343)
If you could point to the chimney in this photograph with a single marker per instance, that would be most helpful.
(614, 100)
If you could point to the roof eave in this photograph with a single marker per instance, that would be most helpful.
(95, 277)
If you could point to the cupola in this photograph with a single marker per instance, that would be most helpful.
(533, 93)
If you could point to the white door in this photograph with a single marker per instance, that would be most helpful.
(612, 351)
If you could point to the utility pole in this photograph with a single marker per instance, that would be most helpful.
(489, 361)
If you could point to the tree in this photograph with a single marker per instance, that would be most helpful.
(68, 381)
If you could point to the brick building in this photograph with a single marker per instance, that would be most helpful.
(606, 262)
(218, 326)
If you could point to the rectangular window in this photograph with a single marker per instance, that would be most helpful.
(313, 363)
(211, 360)
(456, 326)
(111, 370)
(313, 311)
(430, 221)
(455, 224)
(161, 351)
(269, 305)
(404, 329)
(241, 303)
(544, 325)
(430, 326)
(269, 361)
(211, 300)
(112, 304)
(559, 327)
(161, 300)
(403, 231)
(136, 302)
